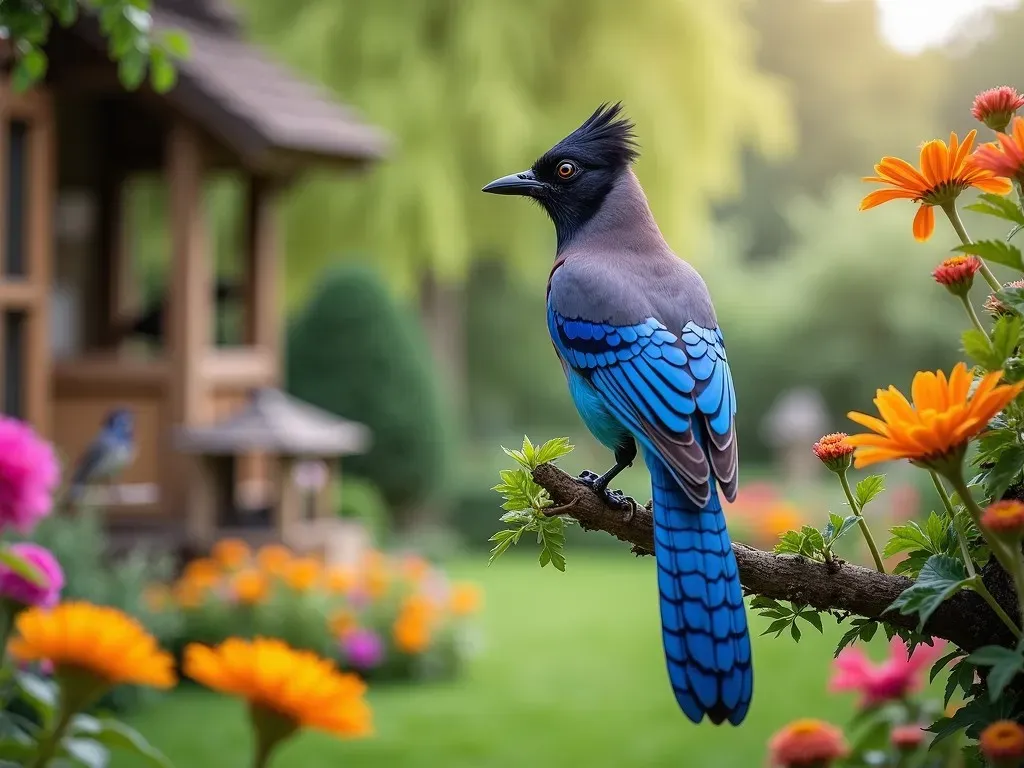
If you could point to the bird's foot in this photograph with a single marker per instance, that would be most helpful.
(615, 499)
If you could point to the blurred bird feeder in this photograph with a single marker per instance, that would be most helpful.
(301, 445)
(796, 419)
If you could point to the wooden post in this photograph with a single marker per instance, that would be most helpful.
(288, 510)
(262, 311)
(188, 304)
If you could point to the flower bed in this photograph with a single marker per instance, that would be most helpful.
(386, 617)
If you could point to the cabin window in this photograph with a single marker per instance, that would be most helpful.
(17, 199)
(14, 363)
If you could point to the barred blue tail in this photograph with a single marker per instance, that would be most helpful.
(703, 623)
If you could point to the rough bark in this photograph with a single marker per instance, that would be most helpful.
(840, 587)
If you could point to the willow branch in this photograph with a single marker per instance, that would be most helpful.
(839, 587)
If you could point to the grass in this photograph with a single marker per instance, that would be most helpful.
(570, 673)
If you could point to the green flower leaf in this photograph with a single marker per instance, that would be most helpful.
(941, 577)
(869, 488)
(86, 752)
(42, 695)
(978, 347)
(998, 206)
(1005, 664)
(553, 450)
(21, 566)
(995, 251)
(112, 734)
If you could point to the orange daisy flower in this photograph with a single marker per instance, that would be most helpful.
(834, 452)
(945, 172)
(230, 553)
(105, 644)
(937, 426)
(806, 743)
(298, 687)
(1002, 743)
(1005, 158)
(1004, 517)
(957, 274)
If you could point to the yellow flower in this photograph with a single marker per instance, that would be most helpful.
(945, 173)
(377, 580)
(189, 594)
(779, 518)
(274, 558)
(231, 553)
(412, 634)
(302, 574)
(343, 623)
(937, 426)
(98, 641)
(202, 571)
(300, 687)
(465, 599)
(250, 586)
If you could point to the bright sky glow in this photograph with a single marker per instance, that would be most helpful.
(911, 26)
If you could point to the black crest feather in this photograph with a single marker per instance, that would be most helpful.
(606, 137)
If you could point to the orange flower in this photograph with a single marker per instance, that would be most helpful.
(343, 623)
(938, 425)
(806, 744)
(377, 580)
(779, 518)
(302, 574)
(1005, 518)
(299, 687)
(945, 173)
(465, 599)
(340, 580)
(996, 106)
(107, 645)
(907, 738)
(415, 569)
(412, 635)
(957, 274)
(834, 452)
(230, 553)
(202, 572)
(1002, 743)
(189, 594)
(274, 558)
(1005, 158)
(250, 586)
(157, 597)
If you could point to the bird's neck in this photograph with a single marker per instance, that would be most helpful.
(623, 213)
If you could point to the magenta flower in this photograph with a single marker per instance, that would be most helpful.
(18, 589)
(893, 679)
(29, 474)
(363, 649)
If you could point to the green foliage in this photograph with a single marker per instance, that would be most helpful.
(813, 544)
(526, 502)
(354, 352)
(991, 351)
(937, 537)
(995, 251)
(868, 489)
(998, 206)
(359, 499)
(941, 577)
(785, 617)
(126, 24)
(1004, 664)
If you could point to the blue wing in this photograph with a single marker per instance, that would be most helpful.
(673, 392)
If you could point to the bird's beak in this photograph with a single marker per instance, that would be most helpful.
(524, 183)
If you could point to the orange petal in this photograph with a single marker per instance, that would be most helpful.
(924, 223)
(875, 425)
(901, 173)
(933, 162)
(880, 196)
(997, 185)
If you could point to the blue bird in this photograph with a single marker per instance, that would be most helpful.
(638, 340)
(111, 451)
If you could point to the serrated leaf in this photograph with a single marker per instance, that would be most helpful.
(812, 618)
(995, 251)
(867, 630)
(961, 676)
(760, 602)
(941, 577)
(177, 43)
(1003, 473)
(1004, 663)
(118, 736)
(794, 630)
(940, 665)
(553, 450)
(905, 538)
(869, 488)
(998, 206)
(1006, 335)
(977, 346)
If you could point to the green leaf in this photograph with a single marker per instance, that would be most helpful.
(66, 11)
(941, 577)
(162, 73)
(551, 537)
(1005, 664)
(813, 618)
(553, 450)
(976, 345)
(17, 750)
(869, 488)
(1006, 335)
(176, 43)
(940, 665)
(132, 68)
(998, 206)
(995, 251)
(905, 538)
(961, 676)
(35, 64)
(118, 736)
(1003, 473)
(42, 695)
(86, 752)
(20, 566)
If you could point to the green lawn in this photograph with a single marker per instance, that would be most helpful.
(570, 674)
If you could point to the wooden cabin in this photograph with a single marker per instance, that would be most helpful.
(76, 154)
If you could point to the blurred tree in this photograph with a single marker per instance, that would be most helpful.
(855, 99)
(471, 90)
(354, 352)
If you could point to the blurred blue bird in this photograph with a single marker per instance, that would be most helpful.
(109, 454)
(638, 340)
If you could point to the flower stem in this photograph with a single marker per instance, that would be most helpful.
(1010, 559)
(48, 745)
(977, 585)
(974, 316)
(960, 537)
(863, 523)
(954, 218)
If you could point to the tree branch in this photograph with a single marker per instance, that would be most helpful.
(842, 587)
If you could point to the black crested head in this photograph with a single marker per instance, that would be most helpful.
(572, 179)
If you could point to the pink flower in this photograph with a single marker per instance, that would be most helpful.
(893, 679)
(364, 648)
(20, 590)
(28, 476)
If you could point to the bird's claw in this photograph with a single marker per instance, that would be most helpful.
(615, 499)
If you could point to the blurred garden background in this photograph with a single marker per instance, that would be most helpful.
(415, 306)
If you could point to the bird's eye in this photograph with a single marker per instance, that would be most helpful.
(566, 169)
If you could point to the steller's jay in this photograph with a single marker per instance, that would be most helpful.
(111, 451)
(638, 340)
